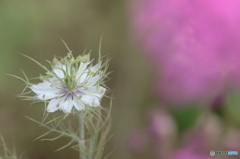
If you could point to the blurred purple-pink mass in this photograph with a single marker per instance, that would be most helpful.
(193, 44)
(195, 143)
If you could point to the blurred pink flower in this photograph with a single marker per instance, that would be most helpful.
(161, 126)
(162, 132)
(194, 45)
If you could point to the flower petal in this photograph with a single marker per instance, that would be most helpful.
(51, 80)
(59, 69)
(66, 106)
(78, 104)
(82, 68)
(91, 100)
(82, 77)
(93, 80)
(53, 105)
(46, 96)
(58, 72)
(97, 91)
(95, 68)
(45, 91)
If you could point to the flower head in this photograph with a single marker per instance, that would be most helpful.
(73, 83)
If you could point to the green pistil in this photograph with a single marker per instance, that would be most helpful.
(70, 83)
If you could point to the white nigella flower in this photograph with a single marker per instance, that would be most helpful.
(72, 83)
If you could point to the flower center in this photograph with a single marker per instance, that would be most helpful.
(70, 84)
(74, 92)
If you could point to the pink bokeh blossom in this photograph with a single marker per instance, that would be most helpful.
(194, 45)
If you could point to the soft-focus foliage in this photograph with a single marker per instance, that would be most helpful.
(7, 152)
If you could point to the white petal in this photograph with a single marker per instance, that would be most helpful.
(82, 68)
(66, 106)
(44, 91)
(91, 100)
(93, 80)
(53, 105)
(95, 68)
(41, 86)
(46, 96)
(51, 80)
(78, 104)
(82, 77)
(98, 91)
(58, 72)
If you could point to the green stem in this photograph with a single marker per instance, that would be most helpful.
(93, 142)
(82, 137)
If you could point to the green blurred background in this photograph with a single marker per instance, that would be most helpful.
(34, 28)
